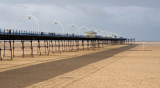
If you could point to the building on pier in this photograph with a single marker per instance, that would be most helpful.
(91, 34)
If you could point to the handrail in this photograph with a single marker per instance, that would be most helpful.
(50, 34)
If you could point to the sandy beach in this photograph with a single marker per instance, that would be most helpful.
(79, 44)
(120, 66)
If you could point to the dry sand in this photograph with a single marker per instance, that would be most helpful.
(116, 67)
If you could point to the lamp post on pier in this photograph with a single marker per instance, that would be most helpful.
(58, 22)
(74, 25)
(36, 20)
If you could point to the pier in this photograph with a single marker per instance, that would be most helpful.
(19, 43)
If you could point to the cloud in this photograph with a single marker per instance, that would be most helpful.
(126, 17)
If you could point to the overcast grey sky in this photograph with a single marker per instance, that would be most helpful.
(138, 19)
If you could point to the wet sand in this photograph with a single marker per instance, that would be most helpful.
(109, 67)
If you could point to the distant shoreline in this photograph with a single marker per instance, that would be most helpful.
(147, 41)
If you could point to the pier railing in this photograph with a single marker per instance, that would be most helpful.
(49, 34)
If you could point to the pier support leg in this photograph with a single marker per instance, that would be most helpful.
(4, 49)
(31, 48)
(13, 48)
(55, 46)
(88, 44)
(48, 48)
(52, 45)
(0, 54)
(83, 44)
(59, 46)
(39, 47)
(22, 41)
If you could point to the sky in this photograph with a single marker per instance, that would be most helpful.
(139, 19)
